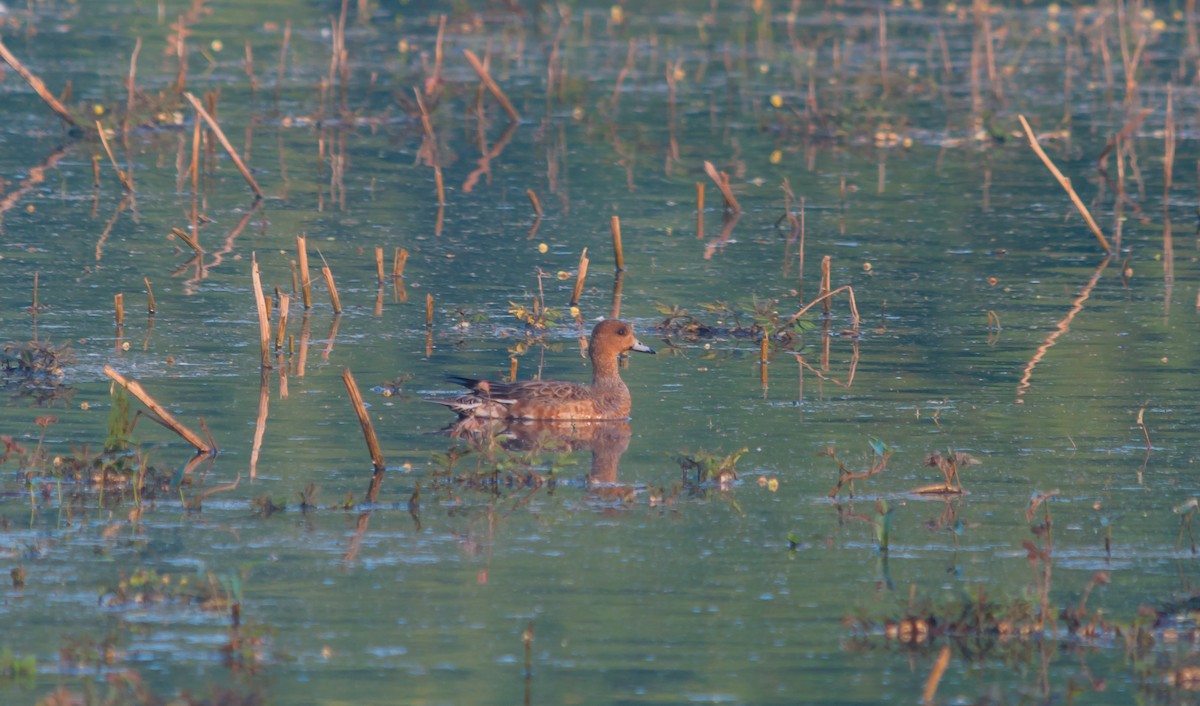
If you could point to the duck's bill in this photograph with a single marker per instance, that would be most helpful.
(641, 347)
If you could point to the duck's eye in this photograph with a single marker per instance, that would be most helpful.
(622, 331)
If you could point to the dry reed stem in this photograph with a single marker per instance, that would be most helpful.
(1169, 145)
(212, 124)
(512, 369)
(428, 310)
(850, 295)
(187, 238)
(126, 182)
(95, 171)
(378, 264)
(364, 420)
(164, 416)
(618, 252)
(264, 317)
(579, 278)
(399, 260)
(284, 306)
(433, 83)
(492, 86)
(137, 48)
(699, 210)
(305, 281)
(150, 309)
(722, 181)
(825, 283)
(533, 200)
(119, 307)
(935, 675)
(614, 309)
(334, 299)
(38, 86)
(1066, 184)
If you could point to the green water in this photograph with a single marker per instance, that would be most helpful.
(631, 586)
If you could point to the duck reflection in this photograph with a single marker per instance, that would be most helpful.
(607, 440)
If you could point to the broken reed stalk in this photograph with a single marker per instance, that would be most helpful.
(284, 304)
(428, 310)
(119, 306)
(126, 183)
(305, 282)
(164, 416)
(38, 86)
(137, 49)
(150, 297)
(533, 199)
(334, 299)
(399, 260)
(188, 239)
(618, 253)
(492, 86)
(512, 369)
(722, 181)
(825, 284)
(212, 124)
(264, 317)
(95, 171)
(1066, 185)
(379, 265)
(364, 420)
(764, 349)
(1169, 144)
(699, 210)
(583, 268)
(935, 675)
(845, 288)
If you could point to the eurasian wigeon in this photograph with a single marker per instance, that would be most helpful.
(605, 398)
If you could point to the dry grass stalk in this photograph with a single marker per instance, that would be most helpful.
(935, 675)
(119, 306)
(1169, 144)
(126, 182)
(579, 278)
(722, 181)
(825, 284)
(428, 310)
(163, 415)
(264, 317)
(399, 260)
(533, 199)
(364, 420)
(492, 86)
(150, 296)
(38, 86)
(379, 264)
(187, 238)
(699, 210)
(1066, 185)
(618, 252)
(212, 124)
(334, 299)
(305, 281)
(829, 295)
(137, 48)
(512, 369)
(95, 171)
(283, 50)
(284, 306)
(434, 81)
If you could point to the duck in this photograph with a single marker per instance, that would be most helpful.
(606, 398)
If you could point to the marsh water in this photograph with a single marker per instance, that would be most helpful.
(598, 568)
